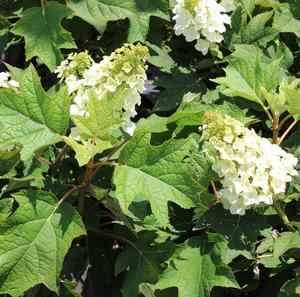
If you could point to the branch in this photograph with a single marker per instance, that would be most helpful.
(216, 194)
(105, 163)
(43, 160)
(275, 126)
(285, 119)
(266, 111)
(287, 131)
(68, 193)
(85, 183)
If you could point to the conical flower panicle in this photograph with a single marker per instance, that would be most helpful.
(253, 171)
(122, 73)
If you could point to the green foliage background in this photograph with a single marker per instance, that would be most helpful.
(137, 216)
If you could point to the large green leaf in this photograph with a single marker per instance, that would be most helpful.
(143, 259)
(241, 232)
(286, 241)
(155, 173)
(34, 241)
(257, 31)
(44, 37)
(196, 269)
(284, 20)
(247, 72)
(99, 12)
(32, 118)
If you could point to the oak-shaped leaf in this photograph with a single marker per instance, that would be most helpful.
(99, 12)
(34, 241)
(96, 128)
(247, 71)
(143, 258)
(31, 118)
(240, 232)
(156, 173)
(195, 269)
(43, 34)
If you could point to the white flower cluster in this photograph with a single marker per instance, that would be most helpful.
(253, 171)
(124, 71)
(8, 83)
(202, 20)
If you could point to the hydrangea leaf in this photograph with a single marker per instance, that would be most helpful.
(247, 72)
(32, 118)
(195, 269)
(241, 232)
(34, 241)
(143, 260)
(102, 119)
(99, 12)
(44, 36)
(292, 98)
(156, 173)
(257, 31)
(154, 123)
(191, 113)
(284, 20)
(286, 241)
(176, 84)
(84, 152)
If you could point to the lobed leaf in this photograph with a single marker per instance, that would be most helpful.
(43, 34)
(32, 118)
(156, 173)
(34, 241)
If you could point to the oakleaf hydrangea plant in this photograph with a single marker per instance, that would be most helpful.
(149, 148)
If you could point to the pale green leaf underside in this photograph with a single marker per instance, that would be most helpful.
(196, 270)
(157, 174)
(44, 36)
(31, 118)
(102, 119)
(99, 12)
(34, 241)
